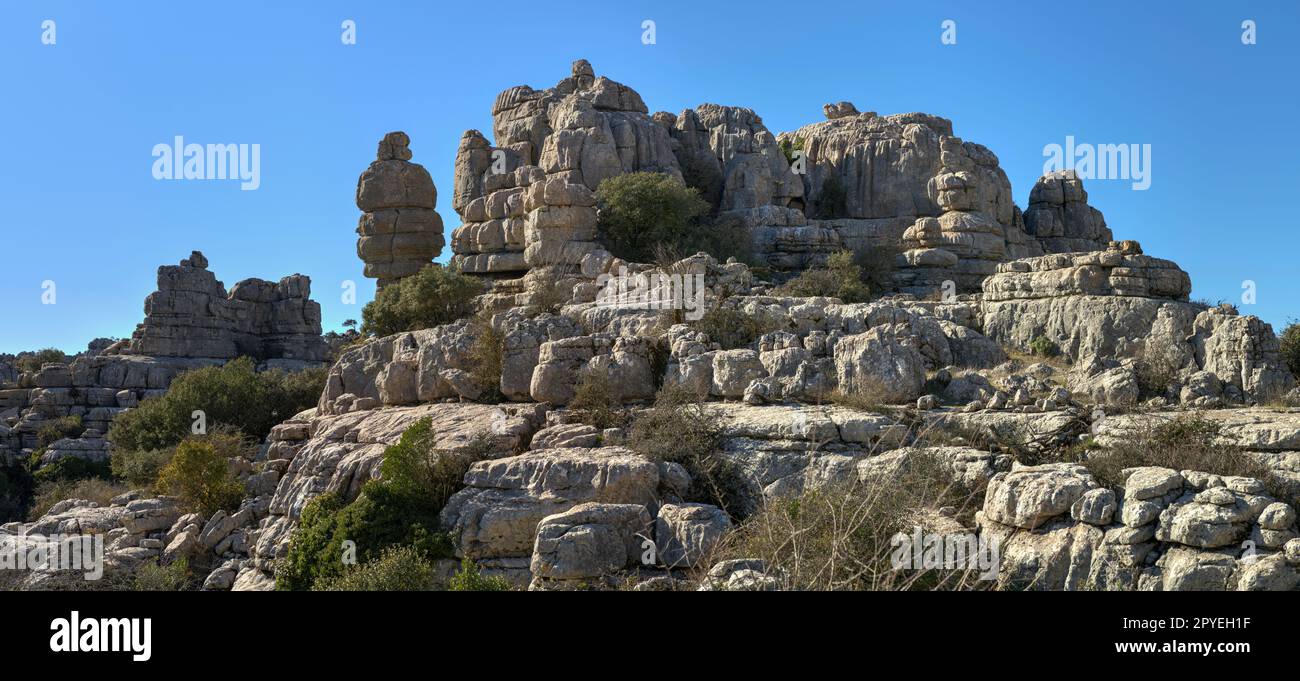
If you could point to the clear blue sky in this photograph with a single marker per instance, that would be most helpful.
(80, 118)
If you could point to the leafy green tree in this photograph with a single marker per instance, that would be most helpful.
(434, 295)
(642, 211)
(199, 475)
(233, 394)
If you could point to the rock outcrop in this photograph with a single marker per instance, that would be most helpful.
(1102, 307)
(192, 315)
(400, 232)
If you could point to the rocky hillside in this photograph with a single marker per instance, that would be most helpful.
(1022, 387)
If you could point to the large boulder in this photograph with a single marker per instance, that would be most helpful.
(497, 514)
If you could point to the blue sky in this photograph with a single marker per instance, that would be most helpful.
(80, 118)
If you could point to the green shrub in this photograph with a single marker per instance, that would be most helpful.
(470, 579)
(234, 394)
(140, 468)
(15, 492)
(32, 362)
(842, 278)
(724, 237)
(54, 430)
(435, 295)
(199, 475)
(399, 509)
(639, 211)
(1289, 341)
(73, 468)
(833, 202)
(788, 147)
(398, 568)
(1043, 346)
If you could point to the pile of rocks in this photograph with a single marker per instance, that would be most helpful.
(1168, 530)
(901, 185)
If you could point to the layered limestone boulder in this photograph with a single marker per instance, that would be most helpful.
(734, 160)
(1115, 311)
(192, 315)
(1061, 219)
(527, 202)
(399, 230)
(905, 184)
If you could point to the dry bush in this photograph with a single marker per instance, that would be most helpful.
(1157, 367)
(595, 402)
(1185, 442)
(841, 538)
(680, 428)
(732, 328)
(98, 490)
(486, 355)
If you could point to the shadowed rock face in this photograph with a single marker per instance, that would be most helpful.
(400, 232)
(191, 315)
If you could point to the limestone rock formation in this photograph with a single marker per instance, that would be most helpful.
(1102, 307)
(400, 232)
(1061, 219)
(192, 315)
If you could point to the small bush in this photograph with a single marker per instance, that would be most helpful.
(1289, 341)
(154, 577)
(33, 362)
(595, 402)
(398, 568)
(435, 295)
(51, 492)
(487, 355)
(680, 428)
(470, 579)
(140, 468)
(639, 211)
(54, 430)
(73, 468)
(788, 147)
(1043, 346)
(1186, 442)
(731, 328)
(199, 475)
(1156, 368)
(399, 509)
(724, 237)
(841, 537)
(841, 278)
(234, 394)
